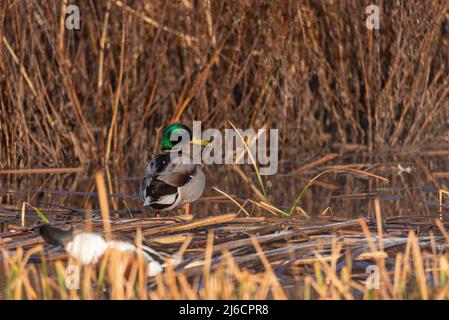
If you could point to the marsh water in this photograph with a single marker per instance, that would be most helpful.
(415, 177)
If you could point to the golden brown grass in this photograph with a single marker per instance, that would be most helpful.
(417, 274)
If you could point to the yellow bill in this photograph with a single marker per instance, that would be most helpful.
(201, 142)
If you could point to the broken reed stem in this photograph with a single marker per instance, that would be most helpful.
(104, 205)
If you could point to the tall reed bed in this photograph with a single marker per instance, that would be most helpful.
(310, 68)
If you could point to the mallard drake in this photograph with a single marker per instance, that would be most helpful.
(171, 181)
(89, 247)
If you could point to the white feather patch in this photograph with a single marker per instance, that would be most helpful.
(121, 246)
(168, 199)
(87, 247)
(154, 268)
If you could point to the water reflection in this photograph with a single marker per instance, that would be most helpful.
(415, 178)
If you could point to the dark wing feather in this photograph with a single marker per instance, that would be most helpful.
(158, 189)
(155, 190)
(176, 179)
(152, 189)
(177, 172)
(163, 176)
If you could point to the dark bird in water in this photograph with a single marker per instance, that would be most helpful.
(171, 178)
(89, 247)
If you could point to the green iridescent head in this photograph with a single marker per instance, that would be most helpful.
(174, 134)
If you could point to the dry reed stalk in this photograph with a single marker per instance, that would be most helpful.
(210, 28)
(232, 200)
(253, 161)
(277, 290)
(22, 216)
(141, 276)
(118, 93)
(378, 258)
(316, 163)
(187, 289)
(207, 263)
(342, 288)
(189, 39)
(22, 68)
(350, 170)
(110, 188)
(182, 105)
(419, 268)
(104, 204)
(379, 223)
(268, 207)
(440, 174)
(442, 229)
(41, 171)
(319, 183)
(62, 28)
(248, 181)
(102, 45)
(440, 198)
(140, 125)
(191, 225)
